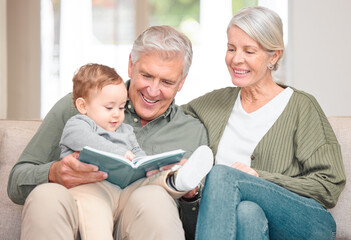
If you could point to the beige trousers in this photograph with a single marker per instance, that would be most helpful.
(144, 210)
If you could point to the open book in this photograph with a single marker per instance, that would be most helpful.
(122, 171)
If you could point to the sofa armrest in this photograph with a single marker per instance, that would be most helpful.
(341, 212)
(14, 136)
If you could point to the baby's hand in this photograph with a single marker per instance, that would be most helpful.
(129, 155)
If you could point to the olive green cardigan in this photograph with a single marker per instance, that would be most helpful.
(300, 152)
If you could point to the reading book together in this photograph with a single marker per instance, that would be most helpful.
(122, 171)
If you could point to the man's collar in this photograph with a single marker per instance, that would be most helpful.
(127, 83)
(170, 112)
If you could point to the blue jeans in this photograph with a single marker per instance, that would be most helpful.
(236, 205)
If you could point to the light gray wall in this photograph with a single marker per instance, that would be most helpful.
(319, 52)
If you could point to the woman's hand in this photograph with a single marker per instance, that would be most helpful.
(243, 167)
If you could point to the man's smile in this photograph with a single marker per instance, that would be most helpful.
(148, 100)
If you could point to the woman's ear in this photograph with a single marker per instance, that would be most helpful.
(81, 105)
(276, 56)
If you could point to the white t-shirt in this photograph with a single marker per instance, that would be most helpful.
(244, 130)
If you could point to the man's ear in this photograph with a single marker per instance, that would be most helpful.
(182, 83)
(81, 105)
(130, 67)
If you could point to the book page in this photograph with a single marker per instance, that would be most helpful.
(140, 160)
(111, 155)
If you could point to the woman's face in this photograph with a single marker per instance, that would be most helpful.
(246, 60)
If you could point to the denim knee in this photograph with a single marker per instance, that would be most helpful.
(221, 173)
(252, 221)
(218, 173)
(251, 212)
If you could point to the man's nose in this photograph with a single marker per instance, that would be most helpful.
(154, 88)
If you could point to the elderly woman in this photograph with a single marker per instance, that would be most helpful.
(278, 164)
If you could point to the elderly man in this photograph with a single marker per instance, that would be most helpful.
(158, 65)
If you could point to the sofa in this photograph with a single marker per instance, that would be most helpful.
(14, 136)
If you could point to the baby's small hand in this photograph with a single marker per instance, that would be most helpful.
(129, 155)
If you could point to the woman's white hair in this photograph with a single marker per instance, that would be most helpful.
(263, 25)
(167, 41)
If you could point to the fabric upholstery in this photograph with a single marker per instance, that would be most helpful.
(14, 136)
(342, 211)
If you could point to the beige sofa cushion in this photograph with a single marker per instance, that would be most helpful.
(14, 136)
(342, 211)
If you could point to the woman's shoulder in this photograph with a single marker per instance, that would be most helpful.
(219, 95)
(308, 110)
(308, 107)
(227, 91)
(304, 99)
(304, 96)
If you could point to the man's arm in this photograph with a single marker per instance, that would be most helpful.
(42, 151)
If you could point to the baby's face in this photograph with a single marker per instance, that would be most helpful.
(106, 106)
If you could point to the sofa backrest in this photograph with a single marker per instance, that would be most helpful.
(342, 211)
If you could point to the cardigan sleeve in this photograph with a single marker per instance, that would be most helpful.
(316, 167)
(322, 178)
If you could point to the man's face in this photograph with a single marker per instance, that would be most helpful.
(154, 82)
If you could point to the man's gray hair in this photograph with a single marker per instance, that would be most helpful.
(262, 25)
(167, 41)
